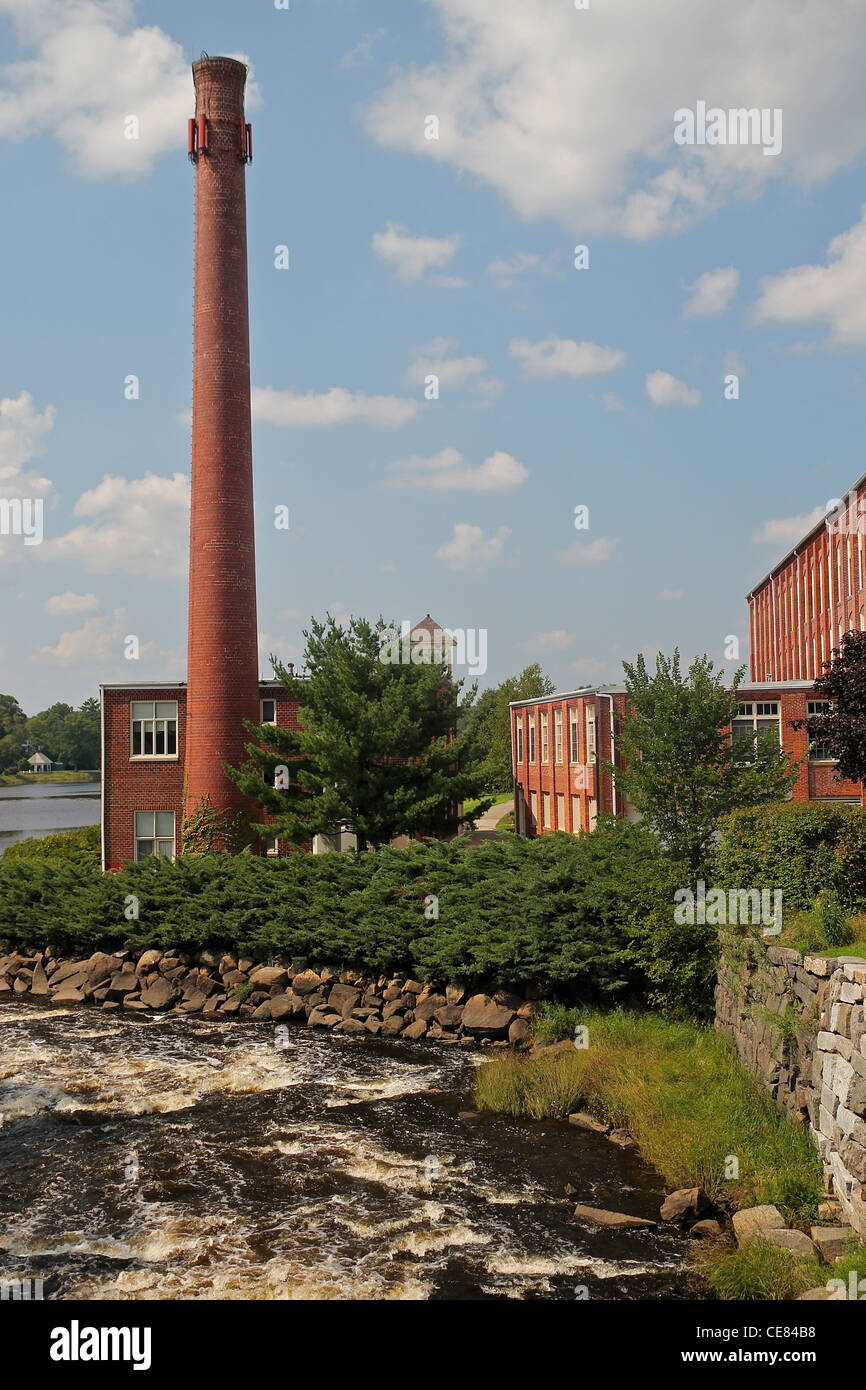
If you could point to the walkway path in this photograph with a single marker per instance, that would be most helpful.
(486, 825)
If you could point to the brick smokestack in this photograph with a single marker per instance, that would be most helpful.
(222, 677)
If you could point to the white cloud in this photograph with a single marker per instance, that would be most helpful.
(23, 435)
(611, 401)
(447, 472)
(564, 357)
(712, 292)
(833, 294)
(70, 605)
(136, 526)
(587, 552)
(410, 255)
(551, 642)
(362, 53)
(469, 551)
(570, 115)
(787, 530)
(100, 639)
(452, 371)
(664, 389)
(336, 406)
(87, 68)
(508, 273)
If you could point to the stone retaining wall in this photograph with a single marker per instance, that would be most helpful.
(799, 1025)
(218, 984)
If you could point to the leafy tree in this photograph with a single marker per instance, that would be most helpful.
(67, 735)
(378, 744)
(682, 773)
(842, 728)
(12, 732)
(491, 722)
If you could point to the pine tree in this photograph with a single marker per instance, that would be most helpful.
(377, 744)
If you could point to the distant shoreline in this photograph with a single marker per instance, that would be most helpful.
(24, 779)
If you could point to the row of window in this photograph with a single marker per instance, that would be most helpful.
(527, 736)
(154, 834)
(762, 716)
(548, 807)
(154, 726)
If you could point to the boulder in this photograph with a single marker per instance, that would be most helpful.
(455, 994)
(263, 1011)
(67, 968)
(374, 1026)
(416, 1029)
(68, 994)
(392, 992)
(209, 958)
(584, 1121)
(305, 983)
(283, 1006)
(350, 1025)
(123, 983)
(267, 976)
(100, 967)
(149, 960)
(343, 998)
(231, 1006)
(756, 1221)
(392, 1026)
(22, 982)
(323, 1018)
(705, 1230)
(686, 1204)
(193, 1004)
(226, 964)
(482, 1015)
(518, 1030)
(622, 1139)
(160, 995)
(427, 1008)
(814, 1295)
(412, 987)
(795, 1241)
(394, 1006)
(233, 978)
(213, 1002)
(609, 1218)
(39, 982)
(449, 1016)
(832, 1241)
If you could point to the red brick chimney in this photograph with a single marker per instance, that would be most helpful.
(222, 679)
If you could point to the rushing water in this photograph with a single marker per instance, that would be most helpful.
(46, 807)
(158, 1157)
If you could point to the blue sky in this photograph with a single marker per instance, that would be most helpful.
(557, 387)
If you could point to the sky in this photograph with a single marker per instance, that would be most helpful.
(692, 378)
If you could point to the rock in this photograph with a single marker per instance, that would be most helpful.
(412, 987)
(468, 1115)
(160, 995)
(518, 1031)
(226, 964)
(705, 1230)
(110, 1004)
(245, 964)
(829, 1210)
(123, 983)
(392, 1026)
(149, 960)
(506, 1000)
(482, 1015)
(343, 998)
(394, 1006)
(813, 1295)
(609, 1218)
(455, 994)
(22, 982)
(268, 975)
(622, 1139)
(373, 1025)
(832, 1241)
(68, 994)
(283, 1006)
(686, 1204)
(134, 1004)
(350, 1025)
(209, 958)
(794, 1241)
(67, 968)
(427, 1008)
(449, 1016)
(213, 1002)
(756, 1221)
(39, 982)
(584, 1121)
(305, 983)
(263, 1011)
(323, 1018)
(231, 1006)
(233, 978)
(391, 993)
(416, 1029)
(100, 967)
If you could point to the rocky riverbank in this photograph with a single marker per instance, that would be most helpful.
(218, 984)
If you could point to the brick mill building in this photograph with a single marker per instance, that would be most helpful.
(797, 616)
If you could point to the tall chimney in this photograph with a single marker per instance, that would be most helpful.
(222, 676)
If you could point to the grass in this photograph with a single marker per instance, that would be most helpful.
(763, 1271)
(24, 779)
(499, 798)
(804, 932)
(696, 1115)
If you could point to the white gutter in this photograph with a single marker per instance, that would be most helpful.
(612, 757)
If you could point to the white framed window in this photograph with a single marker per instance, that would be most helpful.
(268, 711)
(154, 834)
(560, 810)
(755, 717)
(593, 813)
(153, 728)
(573, 735)
(533, 808)
(545, 796)
(545, 737)
(590, 735)
(575, 815)
(557, 735)
(272, 846)
(532, 738)
(818, 753)
(519, 738)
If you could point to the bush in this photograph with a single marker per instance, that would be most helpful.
(803, 848)
(81, 845)
(834, 922)
(555, 913)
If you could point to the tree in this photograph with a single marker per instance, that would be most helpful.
(681, 772)
(13, 724)
(67, 735)
(491, 721)
(842, 728)
(378, 744)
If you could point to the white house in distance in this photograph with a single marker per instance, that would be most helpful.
(39, 763)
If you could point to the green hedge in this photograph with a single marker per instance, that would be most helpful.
(804, 848)
(554, 912)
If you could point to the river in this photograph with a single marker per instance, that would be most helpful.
(46, 807)
(167, 1158)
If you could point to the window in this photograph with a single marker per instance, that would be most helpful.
(754, 718)
(269, 711)
(590, 735)
(573, 720)
(818, 753)
(546, 802)
(272, 846)
(560, 811)
(593, 813)
(533, 808)
(154, 728)
(545, 737)
(520, 738)
(154, 834)
(532, 738)
(575, 815)
(557, 735)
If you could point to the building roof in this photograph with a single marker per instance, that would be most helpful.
(39, 759)
(810, 535)
(581, 693)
